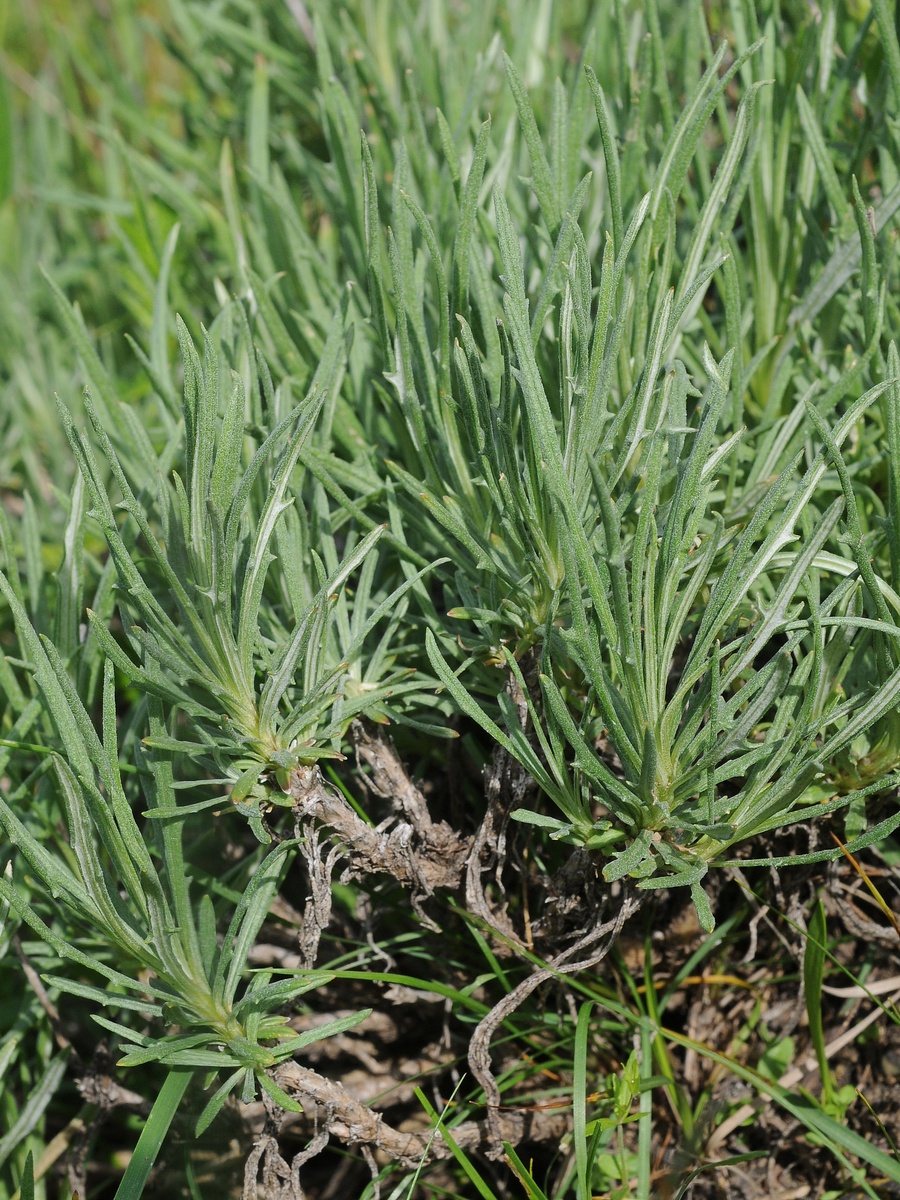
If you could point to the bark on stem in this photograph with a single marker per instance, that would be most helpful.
(425, 858)
(355, 1124)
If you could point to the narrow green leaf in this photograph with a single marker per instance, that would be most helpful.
(542, 177)
(214, 1106)
(32, 1110)
(150, 1142)
(579, 1091)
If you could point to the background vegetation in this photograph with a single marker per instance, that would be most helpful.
(450, 599)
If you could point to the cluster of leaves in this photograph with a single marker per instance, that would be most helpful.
(591, 401)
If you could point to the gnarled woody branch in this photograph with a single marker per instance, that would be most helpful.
(388, 777)
(583, 955)
(425, 855)
(355, 1124)
(424, 858)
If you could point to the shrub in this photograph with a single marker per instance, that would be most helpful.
(546, 429)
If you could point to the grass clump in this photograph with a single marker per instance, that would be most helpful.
(492, 527)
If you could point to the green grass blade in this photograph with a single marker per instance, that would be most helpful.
(154, 1133)
(579, 1091)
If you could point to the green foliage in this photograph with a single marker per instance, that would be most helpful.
(545, 394)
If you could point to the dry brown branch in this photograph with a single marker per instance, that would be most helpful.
(421, 859)
(317, 912)
(505, 787)
(389, 778)
(580, 956)
(356, 1125)
(425, 855)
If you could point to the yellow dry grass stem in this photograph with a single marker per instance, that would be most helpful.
(863, 874)
(694, 980)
